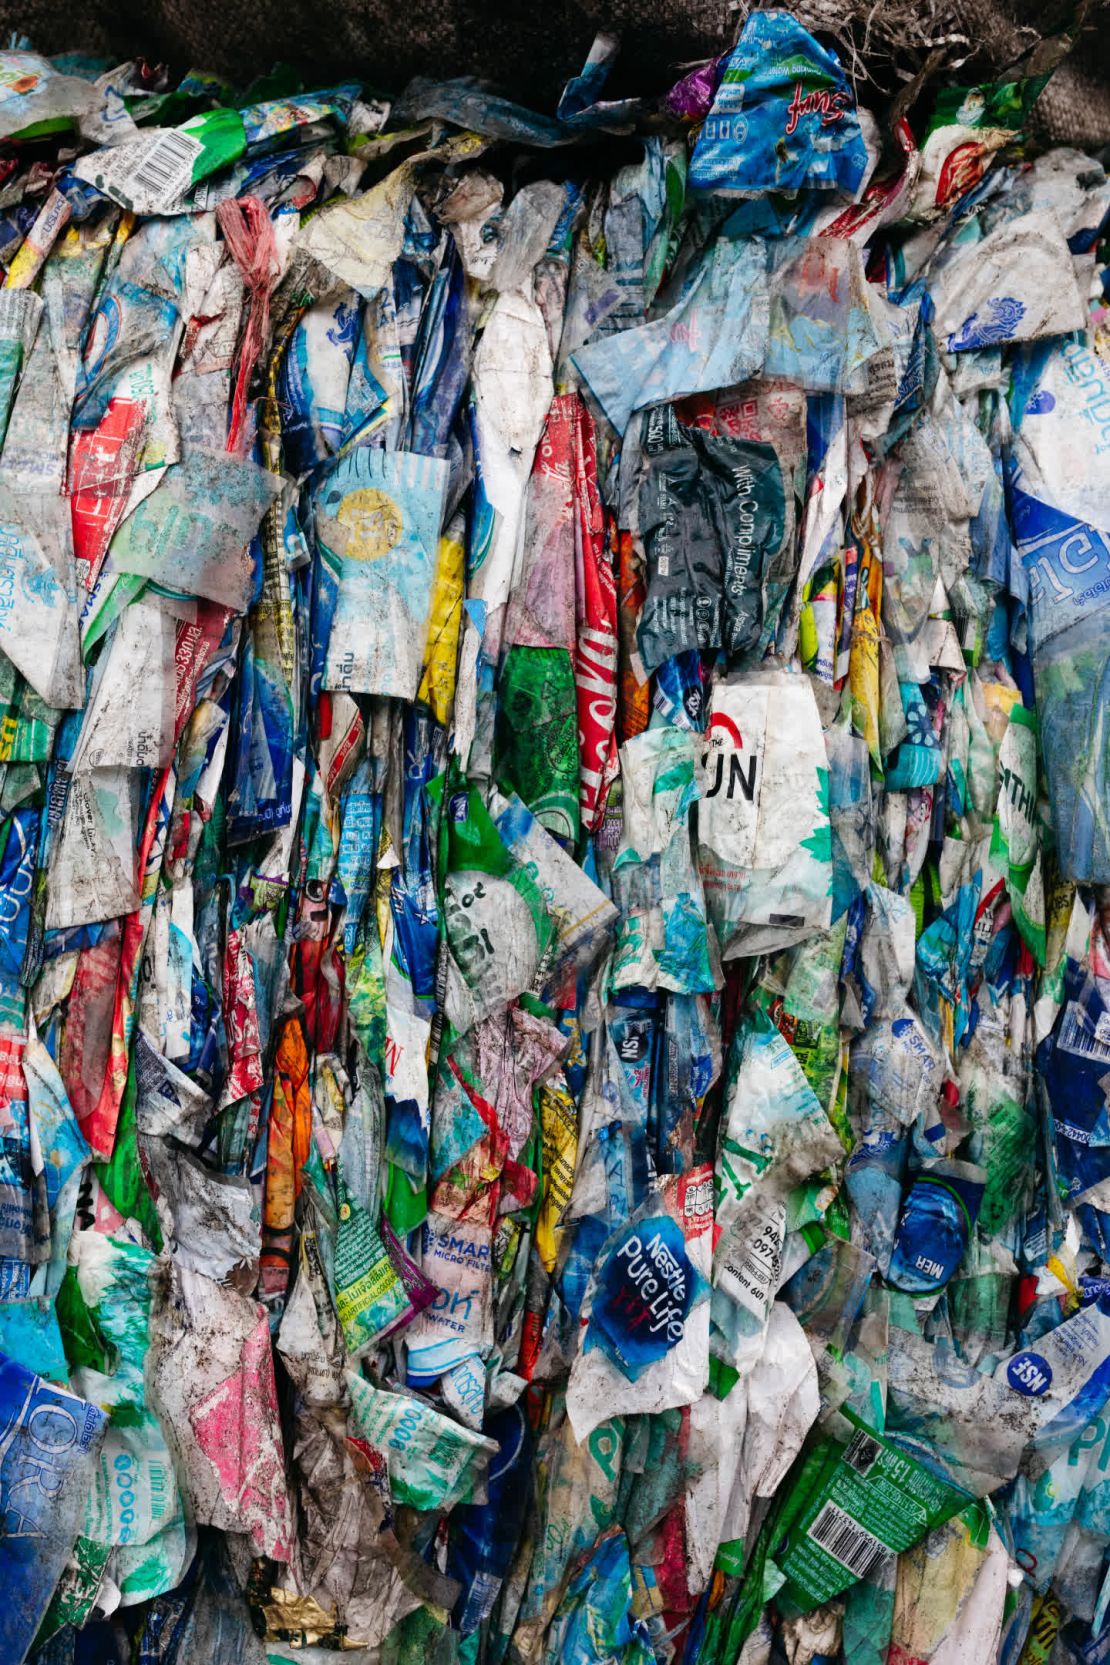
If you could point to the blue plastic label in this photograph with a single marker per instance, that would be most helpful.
(1029, 1374)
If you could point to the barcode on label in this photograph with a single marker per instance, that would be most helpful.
(167, 167)
(1075, 1036)
(862, 1452)
(846, 1540)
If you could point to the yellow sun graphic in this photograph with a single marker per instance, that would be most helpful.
(373, 522)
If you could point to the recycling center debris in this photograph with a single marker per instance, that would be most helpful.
(555, 872)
